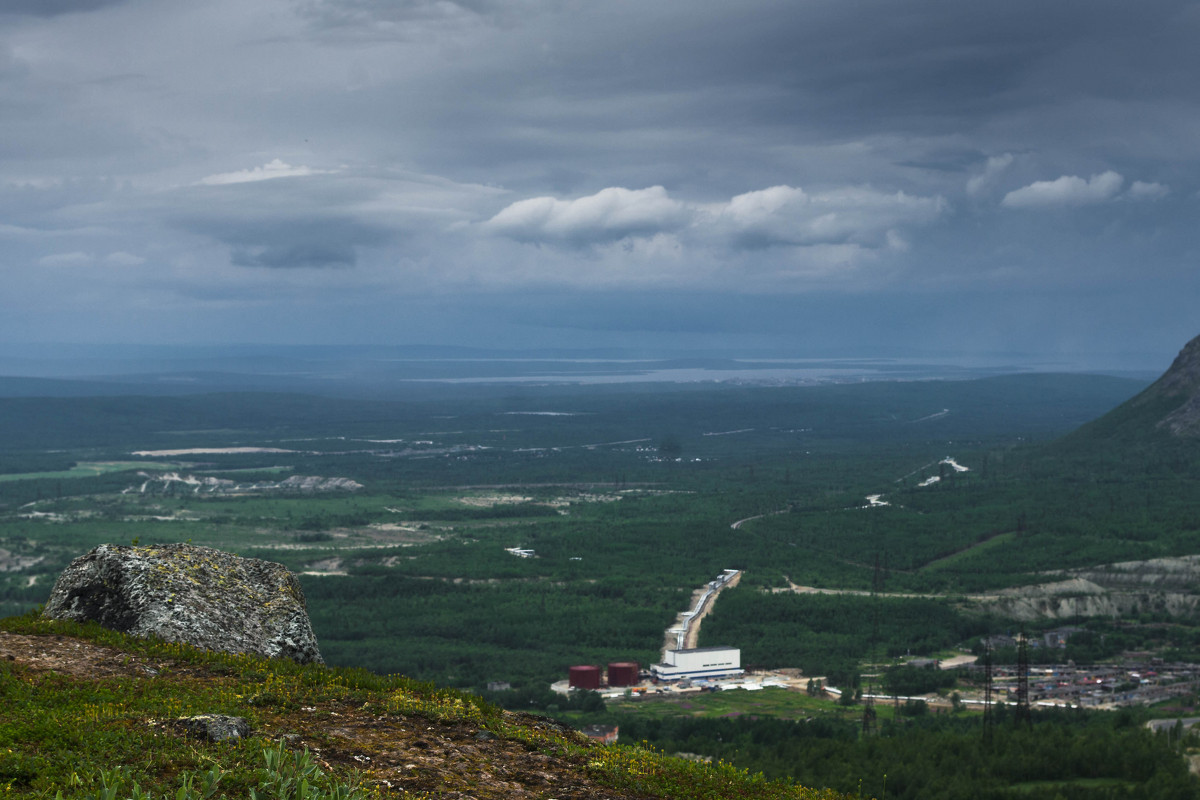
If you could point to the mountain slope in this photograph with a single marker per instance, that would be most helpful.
(1182, 382)
(1165, 414)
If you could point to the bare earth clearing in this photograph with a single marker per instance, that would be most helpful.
(1112, 590)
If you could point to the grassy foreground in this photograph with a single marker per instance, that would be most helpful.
(86, 712)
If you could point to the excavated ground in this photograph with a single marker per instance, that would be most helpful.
(397, 753)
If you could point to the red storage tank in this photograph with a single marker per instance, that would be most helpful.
(623, 673)
(584, 677)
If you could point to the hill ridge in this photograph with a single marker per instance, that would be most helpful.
(1166, 410)
(1182, 379)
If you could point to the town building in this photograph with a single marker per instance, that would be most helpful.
(605, 734)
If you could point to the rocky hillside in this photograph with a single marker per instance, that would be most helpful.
(1168, 409)
(1127, 589)
(84, 710)
(176, 484)
(1182, 383)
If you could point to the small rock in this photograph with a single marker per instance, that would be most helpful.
(216, 727)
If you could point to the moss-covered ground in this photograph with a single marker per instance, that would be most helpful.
(86, 712)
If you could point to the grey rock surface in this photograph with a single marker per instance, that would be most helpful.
(215, 727)
(184, 593)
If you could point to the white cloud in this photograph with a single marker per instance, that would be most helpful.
(610, 214)
(71, 259)
(752, 207)
(763, 240)
(1069, 190)
(776, 216)
(275, 168)
(784, 215)
(978, 184)
(1141, 190)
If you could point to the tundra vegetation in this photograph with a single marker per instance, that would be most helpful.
(411, 573)
(105, 723)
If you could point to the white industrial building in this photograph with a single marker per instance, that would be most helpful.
(700, 662)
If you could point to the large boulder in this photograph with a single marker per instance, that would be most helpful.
(183, 593)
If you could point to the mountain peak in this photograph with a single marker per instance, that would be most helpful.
(1182, 381)
(1183, 376)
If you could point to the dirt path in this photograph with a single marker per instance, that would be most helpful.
(740, 522)
(796, 588)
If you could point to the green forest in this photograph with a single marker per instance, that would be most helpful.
(899, 498)
(940, 756)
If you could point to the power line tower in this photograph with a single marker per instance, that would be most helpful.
(868, 715)
(1023, 715)
(869, 712)
(988, 719)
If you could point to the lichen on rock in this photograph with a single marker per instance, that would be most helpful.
(185, 593)
(215, 727)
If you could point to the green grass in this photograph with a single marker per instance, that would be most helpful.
(770, 702)
(80, 737)
(969, 552)
(774, 702)
(90, 469)
(267, 470)
(1028, 787)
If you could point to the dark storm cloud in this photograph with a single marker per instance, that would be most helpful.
(809, 68)
(53, 8)
(901, 157)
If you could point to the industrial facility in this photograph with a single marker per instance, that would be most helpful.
(587, 676)
(680, 664)
(698, 663)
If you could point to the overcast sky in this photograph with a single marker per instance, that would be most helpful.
(815, 175)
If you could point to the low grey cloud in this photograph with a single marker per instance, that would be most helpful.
(291, 241)
(293, 256)
(1148, 190)
(995, 166)
(283, 216)
(121, 258)
(388, 17)
(74, 258)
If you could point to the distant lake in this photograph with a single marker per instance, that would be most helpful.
(756, 371)
(379, 372)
